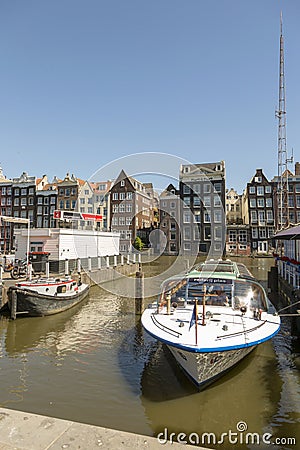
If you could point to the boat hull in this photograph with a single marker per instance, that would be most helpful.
(204, 368)
(34, 304)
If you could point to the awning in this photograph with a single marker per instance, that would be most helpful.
(289, 233)
(14, 219)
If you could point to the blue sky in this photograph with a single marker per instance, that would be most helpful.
(84, 82)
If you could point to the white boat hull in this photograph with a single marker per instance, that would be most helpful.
(204, 368)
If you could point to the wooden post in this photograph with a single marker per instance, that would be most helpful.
(89, 264)
(13, 306)
(128, 259)
(139, 292)
(107, 262)
(115, 261)
(29, 270)
(66, 267)
(78, 265)
(122, 260)
(47, 269)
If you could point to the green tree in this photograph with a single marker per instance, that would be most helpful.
(138, 243)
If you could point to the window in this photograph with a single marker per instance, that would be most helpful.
(217, 216)
(252, 203)
(115, 208)
(269, 215)
(207, 217)
(86, 192)
(122, 221)
(254, 232)
(196, 188)
(129, 196)
(61, 204)
(196, 201)
(242, 236)
(122, 196)
(218, 187)
(187, 233)
(186, 217)
(82, 201)
(23, 191)
(122, 207)
(261, 217)
(187, 201)
(206, 201)
(67, 192)
(53, 200)
(253, 215)
(67, 204)
(268, 202)
(260, 190)
(252, 190)
(115, 196)
(268, 189)
(16, 202)
(122, 182)
(206, 188)
(217, 200)
(260, 202)
(232, 236)
(129, 207)
(186, 189)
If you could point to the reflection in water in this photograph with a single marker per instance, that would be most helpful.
(95, 364)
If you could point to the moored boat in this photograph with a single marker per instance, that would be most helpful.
(211, 318)
(46, 296)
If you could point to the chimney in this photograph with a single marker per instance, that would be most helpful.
(297, 168)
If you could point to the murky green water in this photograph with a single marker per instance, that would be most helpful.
(94, 364)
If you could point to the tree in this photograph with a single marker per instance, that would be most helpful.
(138, 243)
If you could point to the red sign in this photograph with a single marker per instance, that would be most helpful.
(74, 215)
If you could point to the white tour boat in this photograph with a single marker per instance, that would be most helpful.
(211, 317)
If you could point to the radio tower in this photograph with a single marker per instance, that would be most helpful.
(282, 182)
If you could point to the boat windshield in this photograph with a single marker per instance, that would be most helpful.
(249, 294)
(216, 292)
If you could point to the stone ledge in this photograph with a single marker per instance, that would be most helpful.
(26, 431)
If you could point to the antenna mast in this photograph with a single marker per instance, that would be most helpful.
(282, 182)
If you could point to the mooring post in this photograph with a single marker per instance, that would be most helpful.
(29, 270)
(139, 291)
(89, 264)
(107, 262)
(66, 267)
(128, 259)
(115, 261)
(122, 260)
(13, 308)
(47, 269)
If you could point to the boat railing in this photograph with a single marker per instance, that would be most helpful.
(165, 328)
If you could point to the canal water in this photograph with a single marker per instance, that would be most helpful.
(95, 364)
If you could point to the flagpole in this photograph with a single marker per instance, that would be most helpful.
(203, 305)
(196, 320)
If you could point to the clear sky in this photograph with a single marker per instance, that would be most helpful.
(83, 82)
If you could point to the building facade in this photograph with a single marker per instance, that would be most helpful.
(169, 213)
(131, 209)
(6, 229)
(258, 212)
(202, 208)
